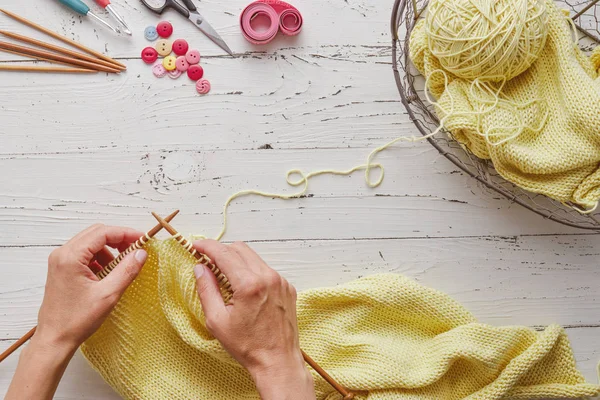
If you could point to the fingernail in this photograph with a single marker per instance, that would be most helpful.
(141, 256)
(199, 270)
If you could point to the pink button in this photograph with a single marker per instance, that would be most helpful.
(203, 86)
(193, 57)
(158, 70)
(195, 72)
(175, 74)
(181, 64)
(149, 55)
(164, 29)
(180, 47)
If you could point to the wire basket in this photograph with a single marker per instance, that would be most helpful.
(411, 86)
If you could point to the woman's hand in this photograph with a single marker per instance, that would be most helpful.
(75, 304)
(259, 327)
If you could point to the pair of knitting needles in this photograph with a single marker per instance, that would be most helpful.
(90, 61)
(224, 285)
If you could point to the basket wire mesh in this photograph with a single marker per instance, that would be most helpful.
(411, 86)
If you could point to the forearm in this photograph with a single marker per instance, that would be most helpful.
(41, 366)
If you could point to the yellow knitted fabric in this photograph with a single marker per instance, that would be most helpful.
(384, 336)
(558, 101)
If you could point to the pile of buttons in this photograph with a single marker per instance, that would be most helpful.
(185, 59)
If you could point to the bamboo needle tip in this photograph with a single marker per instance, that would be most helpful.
(164, 224)
(158, 218)
(162, 221)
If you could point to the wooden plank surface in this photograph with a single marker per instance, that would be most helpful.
(76, 150)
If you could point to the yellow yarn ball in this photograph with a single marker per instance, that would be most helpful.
(488, 40)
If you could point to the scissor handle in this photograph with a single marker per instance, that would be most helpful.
(190, 5)
(170, 4)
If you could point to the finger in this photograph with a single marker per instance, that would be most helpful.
(104, 257)
(210, 295)
(225, 258)
(122, 247)
(125, 273)
(95, 267)
(83, 233)
(94, 239)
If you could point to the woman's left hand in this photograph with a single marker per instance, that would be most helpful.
(76, 302)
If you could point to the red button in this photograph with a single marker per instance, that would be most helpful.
(149, 55)
(195, 72)
(164, 29)
(180, 47)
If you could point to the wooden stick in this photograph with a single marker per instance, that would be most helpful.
(61, 38)
(59, 49)
(224, 284)
(39, 68)
(28, 335)
(341, 390)
(17, 344)
(37, 57)
(205, 260)
(54, 56)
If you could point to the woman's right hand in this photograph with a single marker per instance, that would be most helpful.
(258, 327)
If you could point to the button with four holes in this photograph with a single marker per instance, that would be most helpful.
(149, 55)
(150, 33)
(195, 72)
(164, 29)
(164, 47)
(180, 47)
(169, 63)
(158, 70)
(182, 64)
(193, 57)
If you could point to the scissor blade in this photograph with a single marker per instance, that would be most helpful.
(209, 31)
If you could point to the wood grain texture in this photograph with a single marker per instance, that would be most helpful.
(77, 150)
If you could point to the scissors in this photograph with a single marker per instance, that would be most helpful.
(188, 10)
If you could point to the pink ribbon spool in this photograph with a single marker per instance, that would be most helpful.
(282, 16)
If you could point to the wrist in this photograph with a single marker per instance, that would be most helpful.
(286, 379)
(49, 347)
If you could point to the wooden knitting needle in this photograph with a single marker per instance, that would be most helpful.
(53, 56)
(37, 57)
(61, 38)
(17, 344)
(343, 391)
(28, 335)
(202, 258)
(39, 68)
(59, 49)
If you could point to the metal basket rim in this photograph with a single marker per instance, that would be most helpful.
(399, 6)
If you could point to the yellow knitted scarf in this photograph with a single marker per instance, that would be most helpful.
(552, 109)
(384, 336)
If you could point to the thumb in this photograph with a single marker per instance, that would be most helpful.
(209, 293)
(125, 272)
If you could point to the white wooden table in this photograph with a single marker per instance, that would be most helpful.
(75, 150)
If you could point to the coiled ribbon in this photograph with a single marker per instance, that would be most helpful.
(282, 16)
